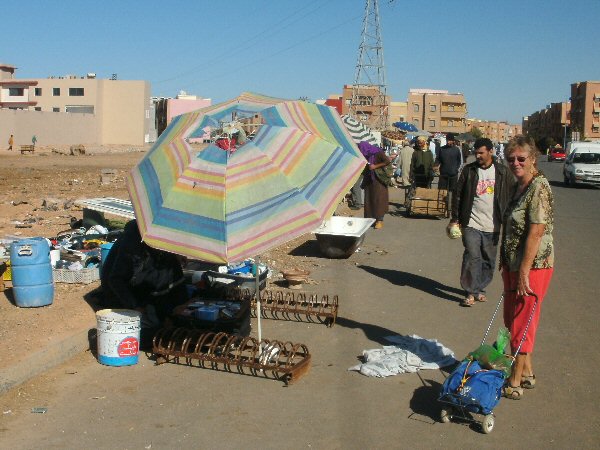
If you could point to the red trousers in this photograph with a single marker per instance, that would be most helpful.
(517, 309)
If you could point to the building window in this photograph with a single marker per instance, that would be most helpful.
(450, 107)
(80, 109)
(55, 109)
(75, 92)
(416, 107)
(38, 92)
(431, 123)
(348, 101)
(450, 123)
(432, 108)
(56, 92)
(38, 108)
(16, 92)
(364, 100)
(416, 122)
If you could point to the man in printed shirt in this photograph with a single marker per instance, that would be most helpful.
(482, 194)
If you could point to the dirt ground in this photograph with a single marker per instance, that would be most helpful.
(52, 174)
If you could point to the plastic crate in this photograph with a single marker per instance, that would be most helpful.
(83, 276)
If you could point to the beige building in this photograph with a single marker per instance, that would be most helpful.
(368, 109)
(437, 111)
(397, 112)
(551, 122)
(585, 110)
(109, 111)
(496, 131)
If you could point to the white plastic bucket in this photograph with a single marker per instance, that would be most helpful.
(118, 336)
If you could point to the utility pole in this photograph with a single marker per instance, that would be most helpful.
(369, 93)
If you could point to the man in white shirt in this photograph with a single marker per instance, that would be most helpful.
(482, 195)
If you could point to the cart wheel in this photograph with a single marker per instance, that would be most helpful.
(446, 415)
(488, 424)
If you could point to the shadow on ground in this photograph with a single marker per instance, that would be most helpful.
(309, 248)
(414, 281)
(374, 333)
(424, 402)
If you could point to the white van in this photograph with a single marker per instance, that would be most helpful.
(582, 164)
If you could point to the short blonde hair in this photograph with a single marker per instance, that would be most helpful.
(526, 143)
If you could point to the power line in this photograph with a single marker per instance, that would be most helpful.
(248, 42)
(257, 61)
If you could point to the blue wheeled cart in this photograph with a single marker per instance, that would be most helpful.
(471, 392)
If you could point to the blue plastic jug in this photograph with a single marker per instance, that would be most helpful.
(31, 272)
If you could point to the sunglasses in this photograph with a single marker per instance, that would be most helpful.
(521, 159)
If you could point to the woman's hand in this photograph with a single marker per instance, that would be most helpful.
(523, 288)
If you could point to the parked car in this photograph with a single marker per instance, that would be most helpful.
(556, 154)
(583, 165)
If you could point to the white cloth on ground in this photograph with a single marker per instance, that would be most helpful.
(411, 353)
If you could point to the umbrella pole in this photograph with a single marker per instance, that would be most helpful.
(257, 294)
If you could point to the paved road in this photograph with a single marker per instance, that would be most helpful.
(404, 281)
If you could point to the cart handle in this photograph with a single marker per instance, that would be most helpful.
(533, 294)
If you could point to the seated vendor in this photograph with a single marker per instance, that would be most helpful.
(136, 276)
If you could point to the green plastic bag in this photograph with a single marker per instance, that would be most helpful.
(492, 356)
(503, 339)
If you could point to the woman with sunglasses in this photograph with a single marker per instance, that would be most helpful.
(527, 257)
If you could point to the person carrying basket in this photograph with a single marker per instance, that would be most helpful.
(527, 257)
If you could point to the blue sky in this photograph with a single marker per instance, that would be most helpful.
(510, 58)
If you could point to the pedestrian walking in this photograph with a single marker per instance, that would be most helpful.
(449, 160)
(11, 141)
(404, 161)
(421, 165)
(33, 140)
(376, 190)
(357, 194)
(481, 198)
(527, 257)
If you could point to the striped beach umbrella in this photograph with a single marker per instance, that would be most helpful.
(358, 130)
(223, 207)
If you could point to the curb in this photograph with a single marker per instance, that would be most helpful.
(43, 360)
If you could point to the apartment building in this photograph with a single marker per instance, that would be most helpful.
(397, 112)
(369, 107)
(437, 111)
(110, 111)
(551, 122)
(496, 131)
(585, 109)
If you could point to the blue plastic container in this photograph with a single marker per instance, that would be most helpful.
(209, 313)
(31, 273)
(104, 249)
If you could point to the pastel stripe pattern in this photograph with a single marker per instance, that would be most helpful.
(223, 207)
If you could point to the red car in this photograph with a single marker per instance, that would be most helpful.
(556, 154)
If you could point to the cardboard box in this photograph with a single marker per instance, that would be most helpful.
(429, 202)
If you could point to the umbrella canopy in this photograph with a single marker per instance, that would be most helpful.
(358, 130)
(223, 207)
(406, 126)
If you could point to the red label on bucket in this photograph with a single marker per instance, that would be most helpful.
(128, 347)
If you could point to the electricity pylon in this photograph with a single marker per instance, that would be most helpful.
(369, 92)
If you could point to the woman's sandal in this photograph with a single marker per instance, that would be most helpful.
(469, 300)
(514, 393)
(528, 381)
(481, 298)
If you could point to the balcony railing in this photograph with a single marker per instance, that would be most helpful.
(453, 114)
